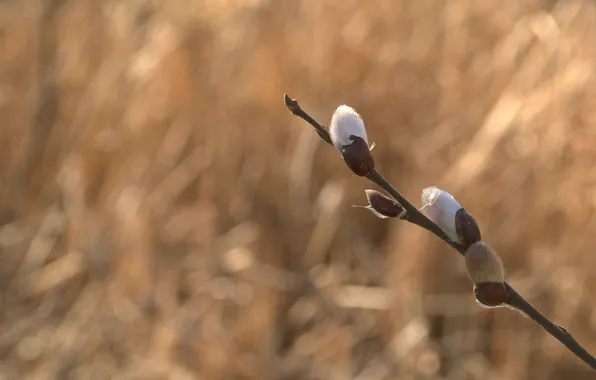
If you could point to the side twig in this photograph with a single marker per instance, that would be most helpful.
(413, 215)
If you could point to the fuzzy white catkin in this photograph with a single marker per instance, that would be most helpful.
(440, 207)
(483, 264)
(346, 122)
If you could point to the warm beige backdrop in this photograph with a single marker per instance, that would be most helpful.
(163, 216)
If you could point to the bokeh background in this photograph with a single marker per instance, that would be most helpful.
(163, 216)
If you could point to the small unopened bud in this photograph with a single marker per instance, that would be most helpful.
(466, 228)
(348, 135)
(440, 207)
(383, 206)
(486, 272)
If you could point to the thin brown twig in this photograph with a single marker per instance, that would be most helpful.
(413, 215)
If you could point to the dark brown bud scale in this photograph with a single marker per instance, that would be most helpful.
(491, 294)
(384, 205)
(466, 228)
(358, 157)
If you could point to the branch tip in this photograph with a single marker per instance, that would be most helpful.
(291, 104)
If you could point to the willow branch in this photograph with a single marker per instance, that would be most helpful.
(413, 215)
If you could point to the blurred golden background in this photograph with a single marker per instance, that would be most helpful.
(163, 216)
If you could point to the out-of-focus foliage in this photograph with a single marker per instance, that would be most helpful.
(163, 216)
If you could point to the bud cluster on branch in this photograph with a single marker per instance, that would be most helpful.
(484, 266)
